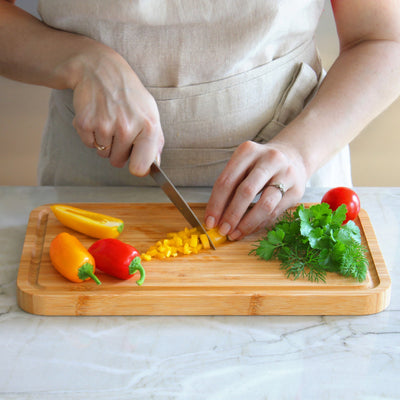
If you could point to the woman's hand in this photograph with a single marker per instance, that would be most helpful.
(252, 169)
(112, 107)
(115, 113)
(361, 83)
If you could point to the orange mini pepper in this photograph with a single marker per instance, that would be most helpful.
(71, 259)
(99, 226)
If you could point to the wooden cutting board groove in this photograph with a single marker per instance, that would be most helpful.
(227, 281)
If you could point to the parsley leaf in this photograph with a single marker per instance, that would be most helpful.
(265, 250)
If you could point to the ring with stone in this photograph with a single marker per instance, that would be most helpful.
(280, 186)
(100, 146)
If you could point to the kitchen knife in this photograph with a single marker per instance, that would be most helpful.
(170, 190)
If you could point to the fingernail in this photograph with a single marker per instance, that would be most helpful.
(224, 229)
(235, 235)
(210, 222)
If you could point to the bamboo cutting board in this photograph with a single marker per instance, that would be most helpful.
(227, 281)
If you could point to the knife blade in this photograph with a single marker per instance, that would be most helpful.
(173, 194)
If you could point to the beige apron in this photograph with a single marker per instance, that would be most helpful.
(221, 73)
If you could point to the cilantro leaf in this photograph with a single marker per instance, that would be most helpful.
(339, 215)
(349, 232)
(265, 250)
(276, 236)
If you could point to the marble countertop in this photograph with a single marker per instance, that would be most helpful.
(216, 357)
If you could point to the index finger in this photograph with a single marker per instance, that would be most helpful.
(228, 181)
(146, 149)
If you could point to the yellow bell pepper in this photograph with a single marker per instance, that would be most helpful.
(188, 241)
(93, 224)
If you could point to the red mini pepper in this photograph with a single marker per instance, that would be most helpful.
(117, 258)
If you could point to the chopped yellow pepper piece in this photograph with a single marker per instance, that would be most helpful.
(93, 224)
(187, 241)
(194, 240)
(146, 257)
(204, 241)
(216, 237)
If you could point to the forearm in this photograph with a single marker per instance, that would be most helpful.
(359, 86)
(32, 52)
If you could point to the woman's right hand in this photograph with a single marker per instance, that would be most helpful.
(112, 107)
(114, 110)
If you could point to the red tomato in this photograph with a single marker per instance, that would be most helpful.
(343, 195)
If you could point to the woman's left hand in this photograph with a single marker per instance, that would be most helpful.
(254, 168)
(360, 84)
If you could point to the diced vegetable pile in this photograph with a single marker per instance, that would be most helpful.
(187, 241)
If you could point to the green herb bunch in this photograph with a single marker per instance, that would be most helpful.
(309, 242)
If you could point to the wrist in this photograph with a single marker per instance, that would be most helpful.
(87, 55)
(307, 140)
(294, 152)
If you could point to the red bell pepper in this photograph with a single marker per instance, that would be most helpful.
(117, 259)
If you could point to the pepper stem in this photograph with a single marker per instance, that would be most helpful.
(136, 265)
(120, 228)
(86, 271)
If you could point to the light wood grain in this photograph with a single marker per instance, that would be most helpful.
(227, 281)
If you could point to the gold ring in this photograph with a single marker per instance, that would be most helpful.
(280, 186)
(100, 146)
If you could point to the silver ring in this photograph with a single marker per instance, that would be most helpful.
(100, 146)
(280, 186)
